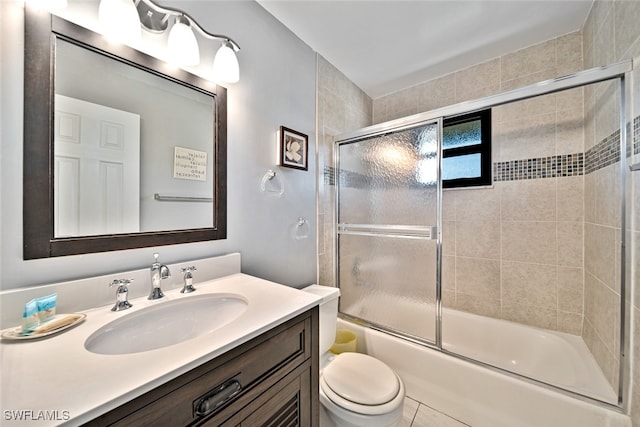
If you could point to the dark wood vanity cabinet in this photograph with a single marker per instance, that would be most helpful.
(272, 380)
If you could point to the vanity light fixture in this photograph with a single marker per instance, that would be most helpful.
(182, 43)
(119, 20)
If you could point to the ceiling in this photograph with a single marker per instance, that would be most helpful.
(385, 46)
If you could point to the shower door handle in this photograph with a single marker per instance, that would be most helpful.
(428, 232)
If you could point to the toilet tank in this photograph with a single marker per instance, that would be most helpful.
(328, 314)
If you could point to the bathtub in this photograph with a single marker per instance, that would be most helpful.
(480, 396)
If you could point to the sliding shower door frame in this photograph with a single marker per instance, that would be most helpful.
(620, 71)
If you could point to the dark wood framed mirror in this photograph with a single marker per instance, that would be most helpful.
(46, 37)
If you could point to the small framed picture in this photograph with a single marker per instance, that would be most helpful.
(293, 151)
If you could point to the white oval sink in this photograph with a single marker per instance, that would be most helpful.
(166, 324)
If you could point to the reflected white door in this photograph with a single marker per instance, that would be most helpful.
(97, 169)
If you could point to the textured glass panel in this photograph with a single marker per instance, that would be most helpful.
(461, 135)
(467, 166)
(389, 281)
(390, 179)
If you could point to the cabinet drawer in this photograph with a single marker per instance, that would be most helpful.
(286, 403)
(228, 379)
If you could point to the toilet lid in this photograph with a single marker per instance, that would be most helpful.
(361, 379)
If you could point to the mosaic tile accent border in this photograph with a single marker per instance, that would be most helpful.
(543, 167)
(330, 175)
(603, 154)
(636, 135)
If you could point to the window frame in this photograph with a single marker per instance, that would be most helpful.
(484, 149)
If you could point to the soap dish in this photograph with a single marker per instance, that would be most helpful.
(59, 323)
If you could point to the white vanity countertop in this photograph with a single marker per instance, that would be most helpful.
(56, 381)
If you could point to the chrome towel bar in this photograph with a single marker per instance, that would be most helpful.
(160, 198)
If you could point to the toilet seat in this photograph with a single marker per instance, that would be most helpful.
(360, 383)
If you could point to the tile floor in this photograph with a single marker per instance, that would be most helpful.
(416, 414)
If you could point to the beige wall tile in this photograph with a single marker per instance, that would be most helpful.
(608, 195)
(570, 243)
(449, 238)
(570, 198)
(531, 60)
(403, 103)
(529, 284)
(381, 109)
(600, 352)
(527, 137)
(478, 204)
(569, 53)
(528, 108)
(570, 99)
(570, 131)
(571, 290)
(607, 110)
(478, 276)
(590, 198)
(599, 252)
(449, 205)
(599, 13)
(636, 271)
(449, 273)
(477, 93)
(589, 119)
(530, 315)
(448, 298)
(478, 239)
(529, 241)
(601, 310)
(470, 80)
(604, 51)
(626, 16)
(475, 304)
(436, 93)
(570, 323)
(529, 200)
(588, 35)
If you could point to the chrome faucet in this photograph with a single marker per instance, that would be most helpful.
(158, 272)
(188, 279)
(122, 302)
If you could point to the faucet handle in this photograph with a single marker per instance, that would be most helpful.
(121, 282)
(122, 294)
(188, 279)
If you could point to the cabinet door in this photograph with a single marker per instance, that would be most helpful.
(286, 404)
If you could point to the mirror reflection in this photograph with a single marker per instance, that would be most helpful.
(122, 136)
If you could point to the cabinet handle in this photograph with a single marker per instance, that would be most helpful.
(217, 397)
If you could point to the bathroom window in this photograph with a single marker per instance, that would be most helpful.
(466, 150)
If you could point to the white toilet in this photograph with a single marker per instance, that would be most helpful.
(355, 389)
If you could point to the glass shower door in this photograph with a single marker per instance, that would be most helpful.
(387, 211)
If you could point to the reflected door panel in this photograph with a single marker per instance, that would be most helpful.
(97, 169)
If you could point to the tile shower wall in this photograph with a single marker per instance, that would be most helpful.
(551, 196)
(342, 107)
(514, 251)
(610, 34)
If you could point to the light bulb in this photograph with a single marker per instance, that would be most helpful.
(119, 20)
(182, 43)
(225, 65)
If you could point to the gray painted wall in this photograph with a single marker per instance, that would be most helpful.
(277, 87)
